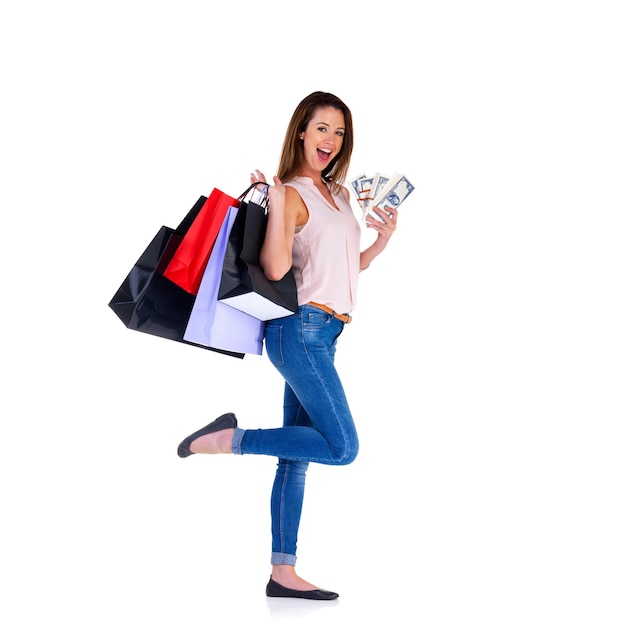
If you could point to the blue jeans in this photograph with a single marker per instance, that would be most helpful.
(317, 423)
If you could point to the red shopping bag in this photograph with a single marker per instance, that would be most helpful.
(186, 267)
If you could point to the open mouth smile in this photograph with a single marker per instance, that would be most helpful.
(323, 155)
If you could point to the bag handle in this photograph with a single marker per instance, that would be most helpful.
(264, 200)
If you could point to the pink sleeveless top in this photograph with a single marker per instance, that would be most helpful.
(326, 250)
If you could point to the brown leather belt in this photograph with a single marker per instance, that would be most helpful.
(346, 319)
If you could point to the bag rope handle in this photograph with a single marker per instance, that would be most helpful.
(264, 201)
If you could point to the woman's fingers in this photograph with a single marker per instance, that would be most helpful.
(257, 177)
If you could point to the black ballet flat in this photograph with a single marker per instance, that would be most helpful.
(228, 420)
(274, 590)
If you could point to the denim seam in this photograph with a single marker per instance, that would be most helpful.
(322, 383)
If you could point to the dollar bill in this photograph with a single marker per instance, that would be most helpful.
(393, 193)
(361, 187)
(380, 180)
(354, 185)
(366, 197)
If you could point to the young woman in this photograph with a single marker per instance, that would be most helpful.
(312, 229)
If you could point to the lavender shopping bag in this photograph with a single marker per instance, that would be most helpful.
(213, 323)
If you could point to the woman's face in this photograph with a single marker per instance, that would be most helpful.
(323, 139)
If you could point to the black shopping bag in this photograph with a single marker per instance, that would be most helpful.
(244, 285)
(149, 302)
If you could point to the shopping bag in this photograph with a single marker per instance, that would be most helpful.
(187, 264)
(243, 284)
(213, 323)
(146, 301)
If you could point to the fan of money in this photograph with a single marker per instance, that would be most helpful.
(380, 191)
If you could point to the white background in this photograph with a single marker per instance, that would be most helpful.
(485, 364)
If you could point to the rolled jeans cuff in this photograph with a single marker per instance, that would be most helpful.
(237, 437)
(280, 558)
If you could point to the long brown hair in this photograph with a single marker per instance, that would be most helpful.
(292, 155)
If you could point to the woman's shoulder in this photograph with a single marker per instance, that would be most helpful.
(298, 182)
(294, 202)
(344, 193)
